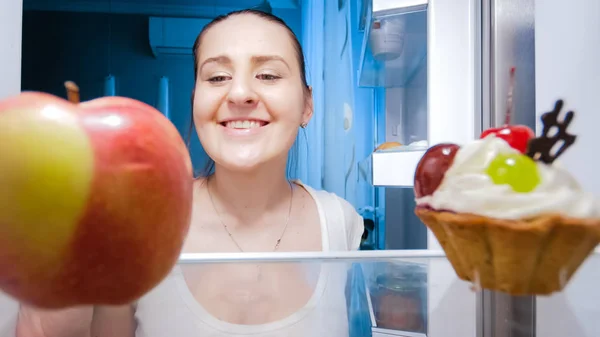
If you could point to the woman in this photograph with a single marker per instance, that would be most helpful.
(249, 101)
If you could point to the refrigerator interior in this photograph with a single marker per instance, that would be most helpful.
(451, 308)
(394, 64)
(405, 122)
(365, 60)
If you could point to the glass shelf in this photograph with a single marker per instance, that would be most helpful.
(411, 293)
(386, 293)
(415, 293)
(394, 44)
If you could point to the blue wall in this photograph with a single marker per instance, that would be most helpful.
(86, 47)
(345, 144)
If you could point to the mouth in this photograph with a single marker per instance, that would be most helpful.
(244, 124)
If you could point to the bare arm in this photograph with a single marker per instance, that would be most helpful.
(76, 322)
(114, 322)
(73, 322)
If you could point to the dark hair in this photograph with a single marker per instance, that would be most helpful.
(210, 165)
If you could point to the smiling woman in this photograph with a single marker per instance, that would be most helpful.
(293, 70)
(250, 99)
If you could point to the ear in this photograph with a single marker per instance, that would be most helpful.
(308, 107)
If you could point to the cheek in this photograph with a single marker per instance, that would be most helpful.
(287, 106)
(205, 107)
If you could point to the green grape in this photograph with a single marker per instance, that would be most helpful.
(517, 170)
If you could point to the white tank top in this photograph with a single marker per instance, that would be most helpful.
(170, 309)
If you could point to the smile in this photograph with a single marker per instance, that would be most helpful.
(244, 124)
(243, 128)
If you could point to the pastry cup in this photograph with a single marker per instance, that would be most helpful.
(534, 256)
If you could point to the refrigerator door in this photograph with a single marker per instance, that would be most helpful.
(394, 62)
(453, 76)
(567, 43)
(426, 56)
(11, 14)
(454, 115)
(437, 99)
(507, 41)
(448, 105)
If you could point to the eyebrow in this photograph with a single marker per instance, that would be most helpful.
(267, 58)
(259, 59)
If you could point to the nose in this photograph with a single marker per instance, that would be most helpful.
(242, 92)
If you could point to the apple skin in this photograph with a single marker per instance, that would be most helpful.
(432, 168)
(96, 199)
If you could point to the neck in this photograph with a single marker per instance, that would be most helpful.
(252, 192)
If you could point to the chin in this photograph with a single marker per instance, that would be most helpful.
(246, 156)
(241, 165)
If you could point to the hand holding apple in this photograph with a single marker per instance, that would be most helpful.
(95, 199)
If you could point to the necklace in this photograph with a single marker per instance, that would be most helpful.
(287, 221)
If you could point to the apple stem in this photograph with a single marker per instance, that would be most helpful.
(72, 92)
(509, 104)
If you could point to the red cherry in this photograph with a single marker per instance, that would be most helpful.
(432, 167)
(517, 136)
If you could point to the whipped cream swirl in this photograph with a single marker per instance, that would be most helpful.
(466, 188)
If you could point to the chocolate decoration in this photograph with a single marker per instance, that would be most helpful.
(554, 132)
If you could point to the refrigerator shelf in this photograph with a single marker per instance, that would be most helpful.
(395, 168)
(395, 42)
(391, 168)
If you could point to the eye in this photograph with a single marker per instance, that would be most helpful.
(267, 77)
(217, 79)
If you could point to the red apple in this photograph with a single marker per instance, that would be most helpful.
(432, 167)
(517, 136)
(95, 199)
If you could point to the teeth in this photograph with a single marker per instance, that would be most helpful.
(242, 124)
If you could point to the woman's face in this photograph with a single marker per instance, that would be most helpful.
(249, 98)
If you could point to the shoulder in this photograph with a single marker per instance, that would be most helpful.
(331, 201)
(340, 212)
(338, 202)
